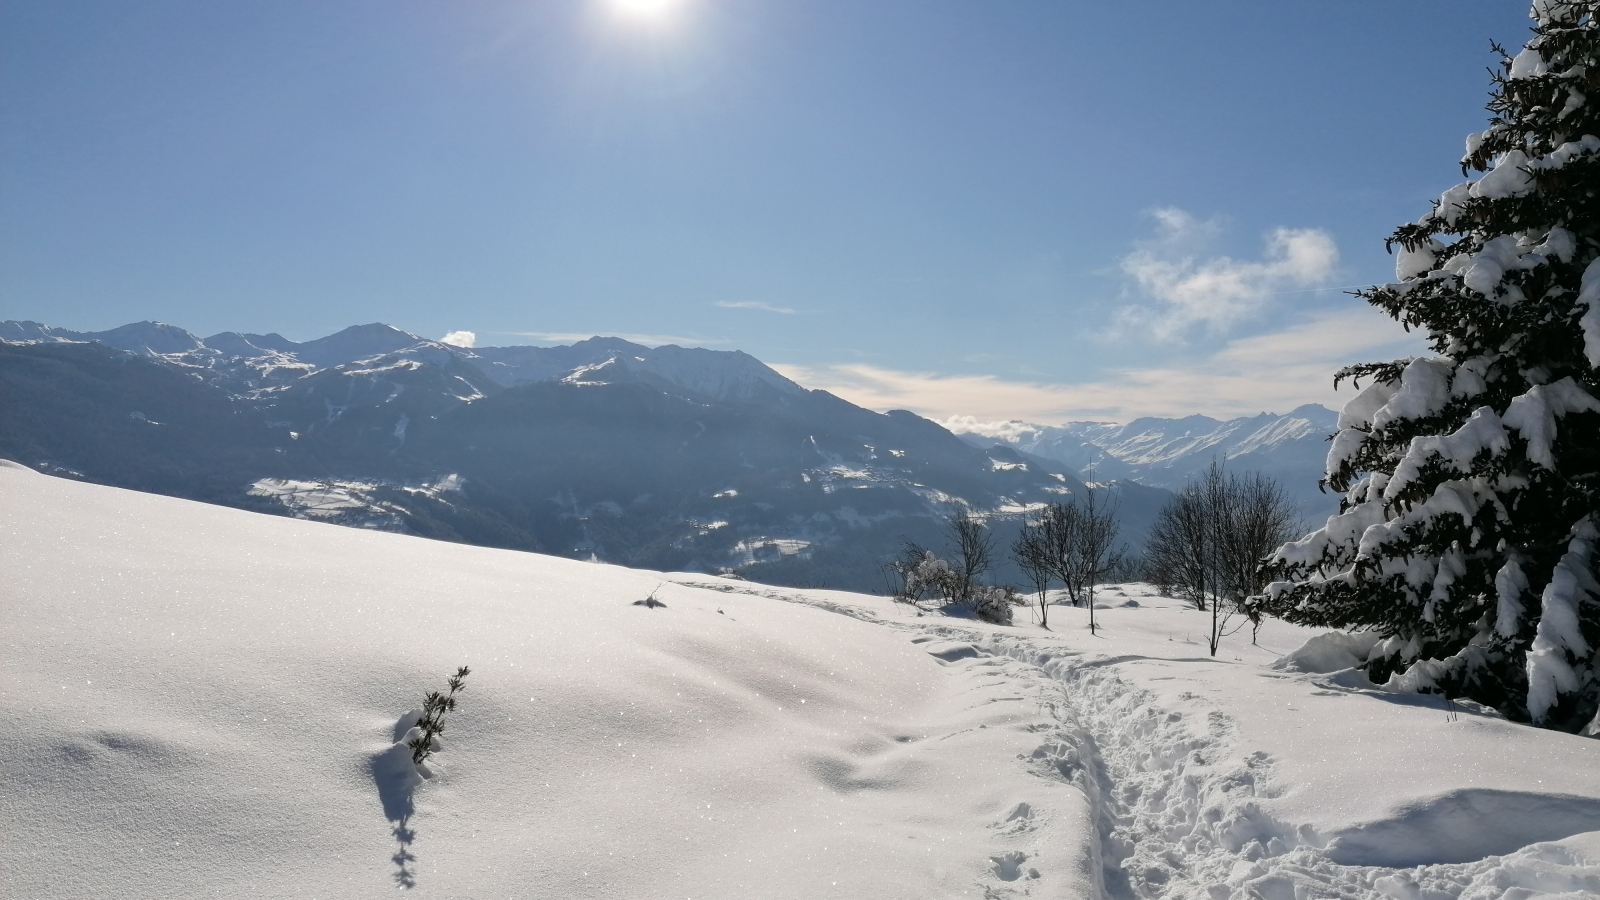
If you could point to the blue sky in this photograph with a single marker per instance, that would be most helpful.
(1035, 209)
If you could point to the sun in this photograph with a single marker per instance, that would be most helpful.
(644, 9)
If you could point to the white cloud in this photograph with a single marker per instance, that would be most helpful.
(754, 304)
(460, 339)
(649, 340)
(1187, 292)
(1271, 372)
(1010, 430)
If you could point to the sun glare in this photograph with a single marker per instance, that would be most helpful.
(644, 9)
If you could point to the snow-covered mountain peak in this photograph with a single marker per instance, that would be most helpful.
(1303, 423)
(256, 360)
(1167, 452)
(143, 338)
(723, 374)
(719, 374)
(355, 342)
(600, 345)
(249, 346)
(150, 339)
(24, 331)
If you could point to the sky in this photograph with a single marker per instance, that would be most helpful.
(1015, 209)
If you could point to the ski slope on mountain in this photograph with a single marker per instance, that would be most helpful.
(203, 701)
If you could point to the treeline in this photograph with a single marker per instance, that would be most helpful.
(1073, 543)
(1209, 545)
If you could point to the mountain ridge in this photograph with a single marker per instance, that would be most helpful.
(1167, 452)
(669, 457)
(716, 373)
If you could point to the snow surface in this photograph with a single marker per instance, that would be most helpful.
(202, 701)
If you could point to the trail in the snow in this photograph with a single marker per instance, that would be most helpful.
(1182, 818)
(1177, 802)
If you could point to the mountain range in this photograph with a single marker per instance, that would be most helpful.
(666, 457)
(1167, 453)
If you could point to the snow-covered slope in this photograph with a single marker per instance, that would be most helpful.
(1166, 453)
(195, 706)
(207, 704)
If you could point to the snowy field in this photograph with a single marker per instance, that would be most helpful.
(203, 702)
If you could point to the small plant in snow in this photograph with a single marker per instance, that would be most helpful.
(651, 602)
(434, 706)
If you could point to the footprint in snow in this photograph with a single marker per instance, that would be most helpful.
(1059, 757)
(1018, 821)
(1008, 866)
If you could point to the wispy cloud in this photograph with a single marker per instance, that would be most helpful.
(1271, 372)
(649, 340)
(754, 304)
(460, 339)
(1180, 291)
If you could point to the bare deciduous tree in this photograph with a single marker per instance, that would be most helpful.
(972, 552)
(1210, 542)
(1061, 527)
(1096, 554)
(1262, 520)
(1032, 555)
(1178, 550)
(1074, 542)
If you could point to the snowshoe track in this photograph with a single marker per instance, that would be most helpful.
(1180, 816)
(1176, 804)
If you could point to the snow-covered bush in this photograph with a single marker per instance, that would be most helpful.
(922, 574)
(925, 575)
(993, 603)
(1471, 480)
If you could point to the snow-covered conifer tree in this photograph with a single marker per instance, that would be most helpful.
(1471, 480)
